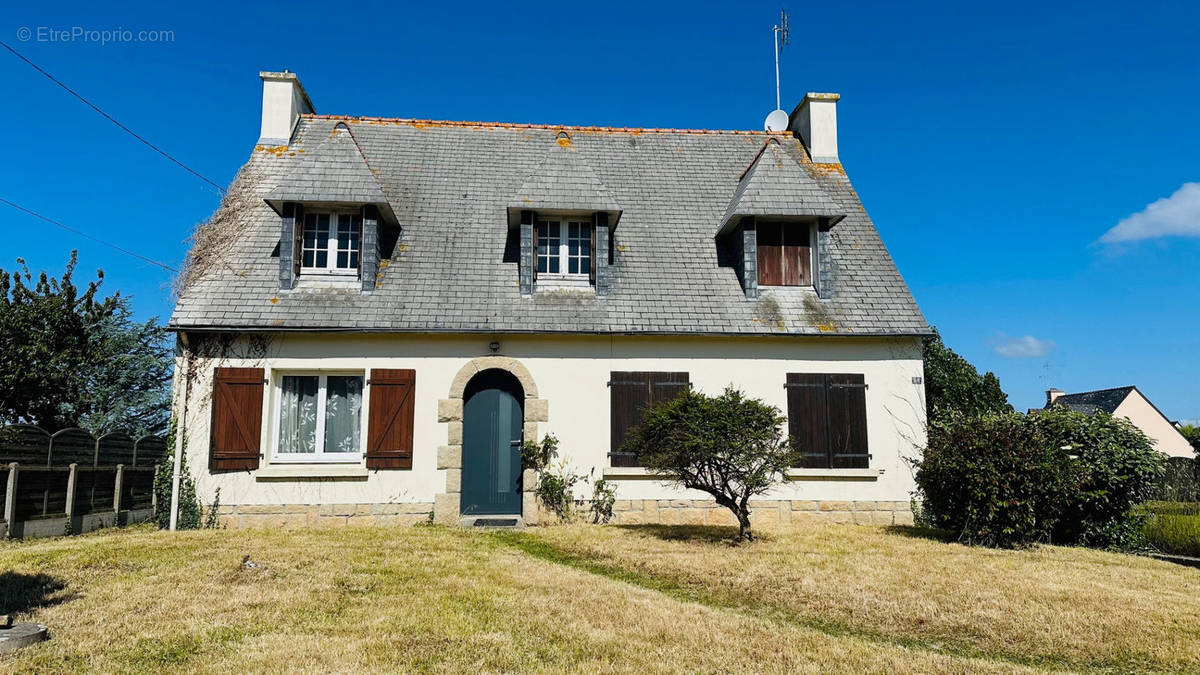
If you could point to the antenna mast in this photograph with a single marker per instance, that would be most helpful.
(781, 32)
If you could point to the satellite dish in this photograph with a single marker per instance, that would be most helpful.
(776, 121)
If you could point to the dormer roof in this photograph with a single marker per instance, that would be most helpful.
(335, 172)
(563, 181)
(776, 185)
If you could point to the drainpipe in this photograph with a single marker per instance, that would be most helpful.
(180, 431)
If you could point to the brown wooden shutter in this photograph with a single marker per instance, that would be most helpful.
(848, 422)
(236, 419)
(797, 257)
(631, 393)
(390, 423)
(666, 386)
(808, 418)
(770, 254)
(629, 396)
(827, 415)
(298, 242)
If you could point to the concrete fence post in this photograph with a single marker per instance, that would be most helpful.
(10, 499)
(72, 478)
(117, 488)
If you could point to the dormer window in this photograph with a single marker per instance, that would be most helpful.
(564, 247)
(785, 255)
(331, 243)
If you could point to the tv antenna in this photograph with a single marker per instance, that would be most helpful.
(778, 119)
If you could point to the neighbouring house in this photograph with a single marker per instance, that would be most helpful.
(382, 310)
(1131, 404)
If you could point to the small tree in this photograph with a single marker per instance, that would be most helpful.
(728, 446)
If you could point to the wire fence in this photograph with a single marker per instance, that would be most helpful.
(70, 481)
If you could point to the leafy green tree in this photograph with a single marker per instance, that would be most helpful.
(72, 358)
(728, 446)
(953, 385)
(1192, 433)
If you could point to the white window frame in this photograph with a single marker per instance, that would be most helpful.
(320, 456)
(564, 246)
(331, 244)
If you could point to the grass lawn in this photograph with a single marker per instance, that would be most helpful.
(825, 598)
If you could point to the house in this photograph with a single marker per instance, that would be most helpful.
(382, 310)
(1131, 404)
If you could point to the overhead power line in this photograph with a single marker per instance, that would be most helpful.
(85, 235)
(110, 118)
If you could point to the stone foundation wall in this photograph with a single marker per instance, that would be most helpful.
(625, 512)
(326, 515)
(706, 512)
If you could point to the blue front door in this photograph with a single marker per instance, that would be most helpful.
(491, 471)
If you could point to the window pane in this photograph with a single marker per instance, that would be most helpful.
(579, 248)
(315, 240)
(298, 414)
(548, 242)
(347, 240)
(343, 413)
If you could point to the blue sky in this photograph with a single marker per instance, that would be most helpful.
(1002, 149)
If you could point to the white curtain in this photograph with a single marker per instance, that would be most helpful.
(343, 410)
(298, 414)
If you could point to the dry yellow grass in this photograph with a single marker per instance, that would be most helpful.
(1051, 606)
(411, 599)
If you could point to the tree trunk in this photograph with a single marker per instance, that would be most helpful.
(743, 518)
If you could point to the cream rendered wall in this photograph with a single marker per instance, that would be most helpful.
(571, 373)
(1146, 417)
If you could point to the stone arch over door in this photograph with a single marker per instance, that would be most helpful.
(449, 457)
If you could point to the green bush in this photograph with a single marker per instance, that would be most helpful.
(1118, 469)
(555, 480)
(1010, 480)
(993, 480)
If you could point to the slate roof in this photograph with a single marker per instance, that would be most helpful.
(453, 268)
(335, 171)
(564, 181)
(1091, 402)
(776, 185)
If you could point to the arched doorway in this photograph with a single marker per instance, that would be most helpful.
(493, 422)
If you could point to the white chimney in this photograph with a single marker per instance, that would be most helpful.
(815, 119)
(1052, 395)
(284, 101)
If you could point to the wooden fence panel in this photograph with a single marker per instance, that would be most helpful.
(137, 489)
(24, 444)
(116, 448)
(41, 493)
(149, 450)
(72, 446)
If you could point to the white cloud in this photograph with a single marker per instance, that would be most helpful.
(1177, 215)
(1027, 347)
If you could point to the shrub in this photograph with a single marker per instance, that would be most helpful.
(991, 481)
(604, 497)
(555, 482)
(1058, 476)
(1118, 469)
(728, 446)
